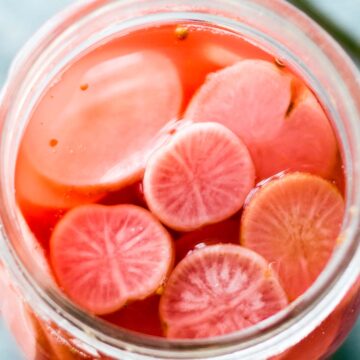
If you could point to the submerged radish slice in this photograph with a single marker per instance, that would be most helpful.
(201, 177)
(218, 290)
(294, 222)
(278, 119)
(105, 256)
(35, 192)
(100, 138)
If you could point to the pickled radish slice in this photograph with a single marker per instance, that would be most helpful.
(294, 222)
(218, 290)
(280, 121)
(200, 177)
(105, 256)
(101, 137)
(36, 193)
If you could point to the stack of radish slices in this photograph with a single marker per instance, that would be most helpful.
(238, 218)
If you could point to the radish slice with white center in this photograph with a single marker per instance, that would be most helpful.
(106, 256)
(218, 290)
(202, 176)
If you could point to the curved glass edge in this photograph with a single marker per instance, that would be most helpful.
(341, 288)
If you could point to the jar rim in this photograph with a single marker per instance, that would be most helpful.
(288, 325)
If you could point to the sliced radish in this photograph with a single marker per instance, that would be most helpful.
(294, 222)
(101, 137)
(105, 256)
(33, 190)
(278, 119)
(224, 232)
(218, 290)
(201, 177)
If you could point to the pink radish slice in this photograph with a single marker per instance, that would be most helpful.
(105, 256)
(201, 177)
(218, 290)
(278, 118)
(33, 190)
(293, 222)
(101, 137)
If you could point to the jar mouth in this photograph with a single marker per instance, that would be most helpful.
(269, 337)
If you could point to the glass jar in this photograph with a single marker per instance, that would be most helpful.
(45, 324)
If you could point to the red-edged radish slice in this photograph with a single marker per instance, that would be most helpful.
(278, 119)
(293, 222)
(218, 290)
(200, 177)
(105, 256)
(101, 137)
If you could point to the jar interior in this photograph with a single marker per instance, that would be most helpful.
(49, 69)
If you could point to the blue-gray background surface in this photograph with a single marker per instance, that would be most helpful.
(20, 18)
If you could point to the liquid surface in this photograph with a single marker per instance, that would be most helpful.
(116, 117)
